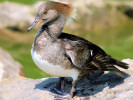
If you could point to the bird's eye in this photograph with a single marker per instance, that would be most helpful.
(45, 12)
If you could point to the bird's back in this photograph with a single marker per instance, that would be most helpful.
(88, 56)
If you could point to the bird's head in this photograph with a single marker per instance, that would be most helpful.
(51, 11)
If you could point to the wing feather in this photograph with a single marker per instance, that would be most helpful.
(86, 55)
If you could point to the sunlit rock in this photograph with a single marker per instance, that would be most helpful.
(9, 67)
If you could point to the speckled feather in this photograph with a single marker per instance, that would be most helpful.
(88, 56)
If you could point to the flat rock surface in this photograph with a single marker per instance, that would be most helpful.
(108, 86)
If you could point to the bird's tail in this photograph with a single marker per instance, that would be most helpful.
(105, 62)
(120, 64)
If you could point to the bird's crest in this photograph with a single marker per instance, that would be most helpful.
(72, 16)
(65, 9)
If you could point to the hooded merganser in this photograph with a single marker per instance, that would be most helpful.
(65, 55)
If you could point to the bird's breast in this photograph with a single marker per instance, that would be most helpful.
(53, 69)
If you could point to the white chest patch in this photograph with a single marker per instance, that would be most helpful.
(51, 69)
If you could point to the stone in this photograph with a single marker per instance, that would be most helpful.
(107, 86)
(9, 67)
(15, 15)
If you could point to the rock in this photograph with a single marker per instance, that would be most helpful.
(108, 86)
(79, 3)
(15, 15)
(9, 67)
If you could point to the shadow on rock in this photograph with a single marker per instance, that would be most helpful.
(47, 84)
(86, 87)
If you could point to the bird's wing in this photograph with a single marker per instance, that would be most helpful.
(77, 53)
(78, 50)
(86, 55)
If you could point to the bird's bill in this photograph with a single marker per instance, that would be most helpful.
(36, 21)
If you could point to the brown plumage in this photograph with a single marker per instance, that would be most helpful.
(65, 55)
(88, 56)
(65, 9)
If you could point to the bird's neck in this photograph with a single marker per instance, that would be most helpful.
(50, 30)
(54, 28)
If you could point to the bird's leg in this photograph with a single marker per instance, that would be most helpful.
(58, 84)
(73, 90)
(58, 87)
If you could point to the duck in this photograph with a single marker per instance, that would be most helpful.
(65, 55)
